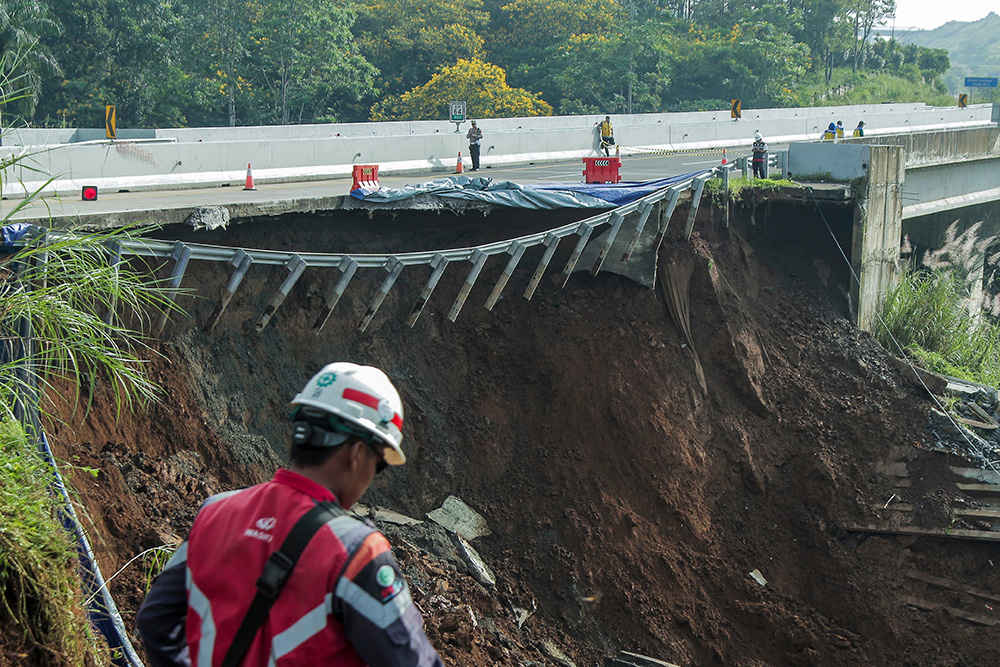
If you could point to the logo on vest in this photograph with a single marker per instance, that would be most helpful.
(391, 587)
(262, 531)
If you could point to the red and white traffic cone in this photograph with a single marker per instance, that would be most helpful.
(458, 167)
(724, 160)
(249, 185)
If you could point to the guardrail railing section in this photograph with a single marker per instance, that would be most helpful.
(619, 221)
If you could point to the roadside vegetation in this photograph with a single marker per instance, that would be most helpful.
(40, 585)
(194, 63)
(69, 317)
(945, 313)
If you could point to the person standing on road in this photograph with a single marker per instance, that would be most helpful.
(475, 137)
(859, 131)
(607, 134)
(840, 129)
(831, 132)
(759, 159)
(346, 602)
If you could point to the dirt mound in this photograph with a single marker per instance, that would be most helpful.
(628, 505)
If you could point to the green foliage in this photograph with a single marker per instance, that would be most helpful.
(229, 62)
(76, 301)
(934, 317)
(740, 188)
(409, 40)
(39, 586)
(482, 85)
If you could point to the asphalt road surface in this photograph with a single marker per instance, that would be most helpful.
(174, 205)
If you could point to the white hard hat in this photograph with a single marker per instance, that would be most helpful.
(757, 136)
(363, 396)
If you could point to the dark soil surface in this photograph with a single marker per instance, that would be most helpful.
(628, 506)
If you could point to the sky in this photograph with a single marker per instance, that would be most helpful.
(929, 14)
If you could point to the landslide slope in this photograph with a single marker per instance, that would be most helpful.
(628, 505)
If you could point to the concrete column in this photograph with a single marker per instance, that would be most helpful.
(878, 223)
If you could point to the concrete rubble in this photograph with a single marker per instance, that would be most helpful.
(456, 516)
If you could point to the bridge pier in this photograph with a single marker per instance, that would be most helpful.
(878, 228)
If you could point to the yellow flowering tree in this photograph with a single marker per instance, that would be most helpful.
(482, 85)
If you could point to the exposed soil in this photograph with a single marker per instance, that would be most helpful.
(627, 505)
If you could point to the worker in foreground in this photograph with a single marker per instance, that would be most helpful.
(281, 573)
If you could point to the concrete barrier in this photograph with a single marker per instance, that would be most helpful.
(207, 157)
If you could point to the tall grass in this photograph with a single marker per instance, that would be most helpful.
(931, 315)
(39, 585)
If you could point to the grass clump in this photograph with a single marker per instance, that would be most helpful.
(740, 187)
(39, 581)
(931, 313)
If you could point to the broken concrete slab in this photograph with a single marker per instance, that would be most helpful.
(758, 577)
(551, 650)
(918, 377)
(395, 518)
(477, 567)
(209, 217)
(458, 517)
(627, 659)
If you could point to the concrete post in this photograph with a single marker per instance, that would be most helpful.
(878, 223)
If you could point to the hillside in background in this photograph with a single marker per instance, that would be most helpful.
(972, 47)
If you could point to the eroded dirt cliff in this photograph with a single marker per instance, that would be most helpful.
(628, 505)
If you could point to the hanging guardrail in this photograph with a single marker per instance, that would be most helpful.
(348, 264)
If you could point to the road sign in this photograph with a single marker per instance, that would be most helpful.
(457, 112)
(980, 82)
(736, 109)
(110, 122)
(963, 100)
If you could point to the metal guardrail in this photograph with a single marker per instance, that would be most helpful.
(349, 263)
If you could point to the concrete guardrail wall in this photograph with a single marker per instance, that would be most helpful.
(206, 157)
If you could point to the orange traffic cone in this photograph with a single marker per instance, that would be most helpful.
(249, 185)
(458, 167)
(618, 151)
(724, 160)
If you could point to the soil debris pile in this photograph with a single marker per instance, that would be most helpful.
(632, 489)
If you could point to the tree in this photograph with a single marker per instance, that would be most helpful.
(22, 24)
(307, 63)
(482, 85)
(219, 40)
(409, 40)
(755, 63)
(121, 52)
(863, 17)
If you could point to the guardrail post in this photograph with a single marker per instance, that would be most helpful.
(645, 208)
(242, 261)
(616, 224)
(181, 254)
(296, 265)
(782, 159)
(478, 259)
(699, 187)
(394, 267)
(584, 230)
(114, 249)
(742, 163)
(439, 263)
(516, 251)
(725, 187)
(666, 213)
(551, 242)
(347, 268)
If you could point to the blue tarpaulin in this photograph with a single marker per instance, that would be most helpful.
(14, 232)
(515, 195)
